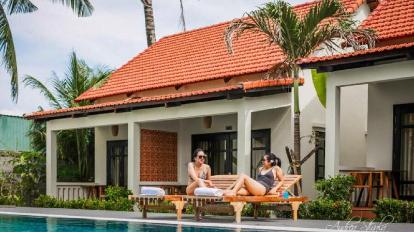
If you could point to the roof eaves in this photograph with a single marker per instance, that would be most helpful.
(364, 59)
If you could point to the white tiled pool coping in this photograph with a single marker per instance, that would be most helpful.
(169, 222)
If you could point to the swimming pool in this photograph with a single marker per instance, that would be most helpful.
(10, 223)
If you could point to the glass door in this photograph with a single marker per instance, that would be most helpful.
(117, 163)
(221, 150)
(403, 162)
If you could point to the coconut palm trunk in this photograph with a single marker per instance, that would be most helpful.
(149, 21)
(296, 121)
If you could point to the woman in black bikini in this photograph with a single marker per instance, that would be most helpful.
(199, 173)
(269, 173)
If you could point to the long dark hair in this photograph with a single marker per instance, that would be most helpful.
(195, 153)
(273, 159)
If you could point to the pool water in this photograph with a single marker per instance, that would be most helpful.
(38, 224)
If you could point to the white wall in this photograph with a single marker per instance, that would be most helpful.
(278, 120)
(353, 126)
(312, 114)
(382, 97)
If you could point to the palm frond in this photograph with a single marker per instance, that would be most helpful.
(289, 24)
(82, 8)
(19, 6)
(100, 77)
(8, 53)
(34, 83)
(321, 11)
(234, 30)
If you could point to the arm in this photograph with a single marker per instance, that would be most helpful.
(278, 174)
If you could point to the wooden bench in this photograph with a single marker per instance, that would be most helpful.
(223, 182)
(238, 202)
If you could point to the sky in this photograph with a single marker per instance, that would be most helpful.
(111, 36)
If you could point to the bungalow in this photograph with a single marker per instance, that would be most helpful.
(186, 91)
(387, 74)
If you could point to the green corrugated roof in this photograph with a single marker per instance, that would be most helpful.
(13, 133)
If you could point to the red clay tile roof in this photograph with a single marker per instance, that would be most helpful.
(195, 56)
(162, 98)
(392, 19)
(269, 83)
(357, 53)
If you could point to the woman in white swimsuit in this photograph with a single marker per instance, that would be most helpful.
(199, 173)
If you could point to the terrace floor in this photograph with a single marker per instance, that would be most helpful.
(210, 221)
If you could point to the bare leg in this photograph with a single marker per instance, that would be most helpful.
(251, 185)
(190, 188)
(243, 192)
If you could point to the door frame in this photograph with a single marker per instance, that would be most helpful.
(399, 110)
(110, 143)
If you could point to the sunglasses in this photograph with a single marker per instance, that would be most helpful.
(201, 157)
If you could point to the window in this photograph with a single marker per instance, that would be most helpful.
(319, 134)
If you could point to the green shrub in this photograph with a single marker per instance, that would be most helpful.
(326, 209)
(332, 202)
(336, 188)
(45, 201)
(116, 192)
(393, 210)
(120, 204)
(11, 200)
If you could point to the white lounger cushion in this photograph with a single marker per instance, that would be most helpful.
(152, 191)
(208, 192)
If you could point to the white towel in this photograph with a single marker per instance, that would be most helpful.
(208, 192)
(152, 191)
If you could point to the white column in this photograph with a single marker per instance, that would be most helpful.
(51, 162)
(134, 145)
(244, 128)
(100, 156)
(333, 95)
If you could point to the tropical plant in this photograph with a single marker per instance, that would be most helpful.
(37, 135)
(78, 78)
(319, 82)
(326, 25)
(7, 51)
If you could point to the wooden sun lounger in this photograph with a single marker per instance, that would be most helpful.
(238, 202)
(145, 202)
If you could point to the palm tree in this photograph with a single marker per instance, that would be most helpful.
(78, 78)
(326, 25)
(182, 18)
(149, 21)
(7, 52)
